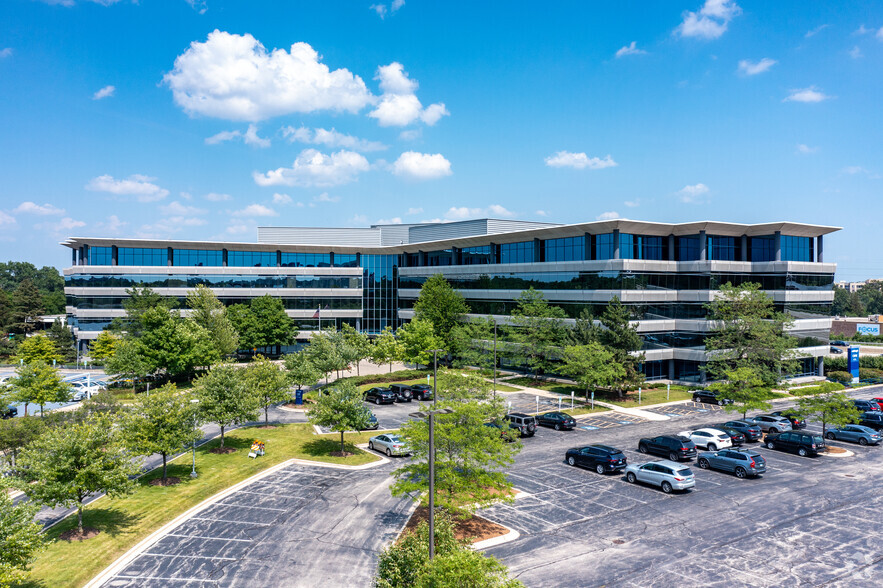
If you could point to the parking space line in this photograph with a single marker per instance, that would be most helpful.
(166, 579)
(272, 495)
(249, 506)
(209, 538)
(229, 521)
(191, 556)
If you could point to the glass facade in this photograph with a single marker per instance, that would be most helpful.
(480, 255)
(440, 258)
(251, 259)
(762, 248)
(290, 303)
(565, 249)
(101, 256)
(306, 259)
(191, 281)
(687, 248)
(797, 248)
(379, 292)
(642, 247)
(724, 248)
(197, 257)
(603, 246)
(522, 252)
(140, 256)
(346, 260)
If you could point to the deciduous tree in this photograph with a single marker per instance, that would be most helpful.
(324, 353)
(128, 362)
(301, 370)
(745, 389)
(538, 331)
(357, 345)
(38, 348)
(16, 434)
(621, 337)
(223, 397)
(442, 306)
(210, 313)
(385, 348)
(263, 323)
(27, 307)
(592, 366)
(39, 383)
(340, 408)
(835, 409)
(21, 538)
(173, 344)
(416, 339)
(267, 382)
(104, 347)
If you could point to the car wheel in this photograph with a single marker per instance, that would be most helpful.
(711, 447)
(388, 452)
(642, 448)
(720, 402)
(703, 463)
(773, 430)
(829, 436)
(770, 445)
(557, 427)
(666, 487)
(673, 456)
(862, 441)
(599, 468)
(801, 452)
(631, 478)
(571, 461)
(371, 445)
(741, 473)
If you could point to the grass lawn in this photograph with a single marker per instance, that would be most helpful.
(585, 409)
(651, 396)
(125, 521)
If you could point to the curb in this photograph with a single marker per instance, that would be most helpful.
(512, 535)
(847, 454)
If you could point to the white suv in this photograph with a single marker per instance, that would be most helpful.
(709, 439)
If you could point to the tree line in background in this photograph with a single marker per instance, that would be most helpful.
(866, 300)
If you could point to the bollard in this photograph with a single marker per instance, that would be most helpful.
(538, 404)
(639, 396)
(571, 400)
(593, 400)
(667, 392)
(559, 403)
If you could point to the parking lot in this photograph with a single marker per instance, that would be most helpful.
(808, 521)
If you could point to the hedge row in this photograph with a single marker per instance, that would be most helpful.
(839, 364)
(823, 388)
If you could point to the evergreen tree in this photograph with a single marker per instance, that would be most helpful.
(585, 331)
(27, 308)
(538, 332)
(63, 337)
(621, 337)
(442, 306)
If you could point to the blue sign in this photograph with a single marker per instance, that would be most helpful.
(866, 329)
(853, 362)
(299, 397)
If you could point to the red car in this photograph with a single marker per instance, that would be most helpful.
(879, 401)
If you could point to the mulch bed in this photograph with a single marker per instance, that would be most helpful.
(170, 481)
(223, 450)
(474, 528)
(341, 453)
(831, 449)
(75, 535)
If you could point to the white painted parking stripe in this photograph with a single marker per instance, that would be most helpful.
(228, 521)
(166, 579)
(270, 495)
(209, 538)
(191, 556)
(251, 506)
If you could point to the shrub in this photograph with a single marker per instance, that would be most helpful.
(869, 374)
(842, 377)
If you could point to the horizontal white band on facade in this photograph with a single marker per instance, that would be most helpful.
(227, 292)
(298, 313)
(202, 270)
(627, 296)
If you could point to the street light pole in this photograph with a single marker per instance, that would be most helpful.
(431, 414)
(193, 473)
(495, 358)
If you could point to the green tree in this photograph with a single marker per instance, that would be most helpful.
(66, 464)
(21, 538)
(442, 306)
(473, 343)
(416, 338)
(750, 334)
(324, 353)
(173, 344)
(538, 331)
(592, 366)
(162, 422)
(471, 458)
(584, 331)
(15, 434)
(301, 370)
(267, 382)
(357, 345)
(38, 348)
(39, 383)
(139, 300)
(128, 362)
(871, 297)
(103, 347)
(263, 323)
(63, 337)
(385, 348)
(223, 398)
(835, 409)
(210, 313)
(27, 308)
(406, 563)
(745, 388)
(621, 337)
(847, 303)
(5, 311)
(340, 409)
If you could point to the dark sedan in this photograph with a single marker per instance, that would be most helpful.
(737, 438)
(421, 391)
(557, 420)
(751, 431)
(9, 412)
(601, 458)
(796, 422)
(709, 397)
(380, 396)
(674, 447)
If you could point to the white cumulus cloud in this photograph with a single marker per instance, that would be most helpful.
(140, 186)
(578, 161)
(808, 95)
(6, 219)
(710, 22)
(806, 149)
(456, 213)
(421, 166)
(612, 215)
(105, 92)
(331, 139)
(382, 9)
(813, 32)
(281, 198)
(750, 68)
(694, 194)
(412, 211)
(234, 77)
(249, 137)
(177, 209)
(5, 52)
(314, 168)
(880, 34)
(215, 197)
(399, 105)
(29, 207)
(253, 210)
(630, 49)
(856, 52)
(390, 221)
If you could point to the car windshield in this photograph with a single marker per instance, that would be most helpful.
(685, 472)
(395, 439)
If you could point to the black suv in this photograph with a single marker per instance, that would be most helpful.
(526, 424)
(872, 419)
(751, 431)
(674, 447)
(799, 442)
(421, 392)
(867, 405)
(737, 437)
(380, 396)
(796, 421)
(508, 431)
(403, 392)
(558, 420)
(9, 412)
(709, 397)
(601, 458)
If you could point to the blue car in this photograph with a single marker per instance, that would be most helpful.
(855, 433)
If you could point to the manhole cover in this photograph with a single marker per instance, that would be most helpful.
(618, 541)
(848, 475)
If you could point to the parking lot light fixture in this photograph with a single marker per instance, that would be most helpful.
(193, 474)
(421, 415)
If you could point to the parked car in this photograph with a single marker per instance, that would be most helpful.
(771, 424)
(855, 433)
(840, 343)
(878, 401)
(372, 421)
(799, 442)
(710, 439)
(866, 405)
(421, 392)
(736, 438)
(751, 431)
(872, 419)
(797, 422)
(742, 462)
(9, 412)
(508, 431)
(668, 475)
(403, 392)
(557, 420)
(389, 444)
(709, 397)
(380, 396)
(835, 350)
(673, 447)
(525, 424)
(601, 458)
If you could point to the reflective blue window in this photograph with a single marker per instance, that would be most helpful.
(306, 259)
(346, 260)
(654, 248)
(762, 248)
(566, 249)
(379, 292)
(516, 252)
(197, 257)
(251, 258)
(437, 258)
(476, 255)
(627, 246)
(724, 248)
(140, 256)
(797, 248)
(687, 248)
(100, 256)
(604, 246)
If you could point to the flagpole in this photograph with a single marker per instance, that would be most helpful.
(319, 312)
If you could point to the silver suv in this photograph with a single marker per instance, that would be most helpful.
(525, 423)
(769, 423)
(668, 475)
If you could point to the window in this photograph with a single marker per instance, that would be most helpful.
(517, 252)
(251, 258)
(566, 249)
(346, 260)
(140, 256)
(306, 260)
(439, 258)
(100, 256)
(724, 248)
(476, 255)
(797, 248)
(687, 248)
(603, 246)
(762, 248)
(197, 257)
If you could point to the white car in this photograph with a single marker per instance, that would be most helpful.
(709, 439)
(81, 391)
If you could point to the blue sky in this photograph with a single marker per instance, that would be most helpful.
(202, 120)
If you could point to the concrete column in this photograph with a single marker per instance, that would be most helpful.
(819, 250)
(169, 255)
(703, 246)
(703, 376)
(671, 369)
(588, 246)
(421, 258)
(538, 250)
(744, 247)
(671, 257)
(74, 256)
(223, 258)
(84, 255)
(114, 255)
(616, 244)
(494, 253)
(278, 258)
(822, 363)
(777, 244)
(330, 258)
